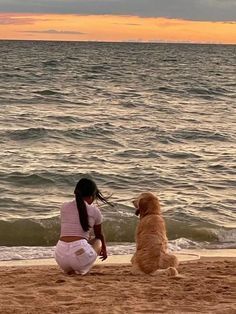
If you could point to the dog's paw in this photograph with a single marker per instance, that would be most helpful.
(136, 270)
(172, 271)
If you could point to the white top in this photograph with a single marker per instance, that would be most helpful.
(70, 222)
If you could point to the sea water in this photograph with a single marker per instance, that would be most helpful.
(134, 117)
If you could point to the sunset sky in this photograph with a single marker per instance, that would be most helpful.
(204, 21)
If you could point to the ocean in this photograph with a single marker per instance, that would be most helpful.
(134, 117)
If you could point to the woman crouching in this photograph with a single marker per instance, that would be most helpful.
(75, 252)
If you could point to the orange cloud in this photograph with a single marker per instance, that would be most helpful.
(15, 20)
(113, 28)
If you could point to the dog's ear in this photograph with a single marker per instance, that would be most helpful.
(148, 204)
(135, 203)
(143, 206)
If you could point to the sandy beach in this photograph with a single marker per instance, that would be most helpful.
(205, 285)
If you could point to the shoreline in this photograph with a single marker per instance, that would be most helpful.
(183, 256)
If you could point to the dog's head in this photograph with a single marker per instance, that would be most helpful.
(146, 204)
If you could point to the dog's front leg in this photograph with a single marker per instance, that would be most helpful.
(133, 259)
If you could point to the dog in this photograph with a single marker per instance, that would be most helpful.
(151, 256)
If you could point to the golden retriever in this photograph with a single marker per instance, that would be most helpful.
(151, 255)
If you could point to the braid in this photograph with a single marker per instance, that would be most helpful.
(82, 210)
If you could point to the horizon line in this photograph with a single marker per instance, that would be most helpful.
(126, 42)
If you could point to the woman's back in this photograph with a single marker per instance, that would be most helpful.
(70, 222)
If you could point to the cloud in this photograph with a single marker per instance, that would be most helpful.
(53, 31)
(201, 10)
(11, 20)
(16, 19)
(130, 24)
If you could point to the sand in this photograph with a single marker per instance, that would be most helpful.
(205, 285)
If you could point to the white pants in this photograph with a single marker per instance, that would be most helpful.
(77, 255)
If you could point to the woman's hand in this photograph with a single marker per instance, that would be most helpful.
(99, 235)
(103, 254)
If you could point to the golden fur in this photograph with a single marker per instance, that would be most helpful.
(151, 255)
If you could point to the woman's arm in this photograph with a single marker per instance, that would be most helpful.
(99, 235)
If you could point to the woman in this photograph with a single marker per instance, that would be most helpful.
(74, 252)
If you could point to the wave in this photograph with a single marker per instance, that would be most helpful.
(51, 63)
(48, 92)
(25, 134)
(99, 130)
(22, 179)
(29, 232)
(39, 178)
(45, 232)
(213, 91)
(108, 132)
(196, 134)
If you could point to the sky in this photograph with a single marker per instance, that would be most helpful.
(201, 21)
